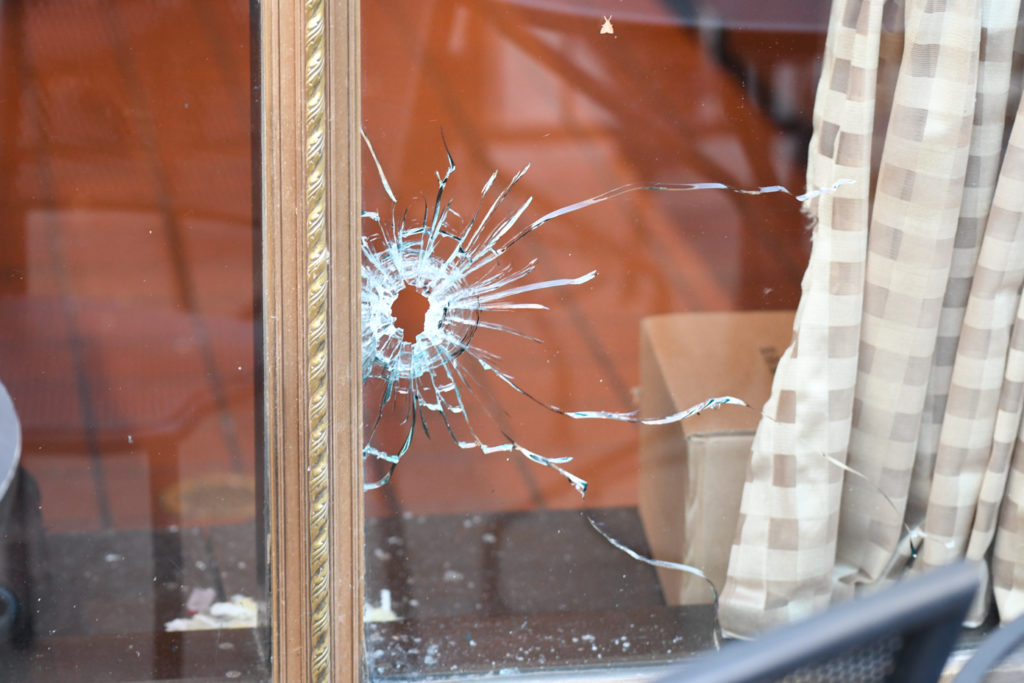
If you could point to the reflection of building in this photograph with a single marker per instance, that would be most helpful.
(128, 335)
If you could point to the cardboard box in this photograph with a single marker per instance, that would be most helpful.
(692, 472)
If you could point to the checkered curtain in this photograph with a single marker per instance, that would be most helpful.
(895, 416)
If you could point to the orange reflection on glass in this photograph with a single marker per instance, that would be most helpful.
(128, 325)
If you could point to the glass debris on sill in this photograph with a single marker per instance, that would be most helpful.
(206, 615)
(200, 599)
(377, 614)
(452, 269)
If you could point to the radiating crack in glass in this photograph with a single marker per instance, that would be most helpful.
(455, 264)
(716, 627)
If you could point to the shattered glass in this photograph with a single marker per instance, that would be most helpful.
(604, 178)
(455, 273)
(457, 267)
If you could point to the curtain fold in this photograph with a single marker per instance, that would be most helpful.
(892, 439)
(780, 564)
(999, 20)
(915, 210)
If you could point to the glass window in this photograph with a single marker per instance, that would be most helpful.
(482, 554)
(682, 320)
(133, 524)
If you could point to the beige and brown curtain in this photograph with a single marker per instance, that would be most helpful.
(895, 416)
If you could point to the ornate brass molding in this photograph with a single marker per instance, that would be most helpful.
(317, 284)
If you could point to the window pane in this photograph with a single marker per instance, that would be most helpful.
(482, 554)
(130, 341)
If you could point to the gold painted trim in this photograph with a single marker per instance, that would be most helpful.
(317, 284)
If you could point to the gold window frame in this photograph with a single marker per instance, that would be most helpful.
(310, 113)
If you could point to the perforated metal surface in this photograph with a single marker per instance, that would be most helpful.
(874, 662)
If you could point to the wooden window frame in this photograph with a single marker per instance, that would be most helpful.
(310, 135)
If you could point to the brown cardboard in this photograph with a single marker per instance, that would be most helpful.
(692, 473)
